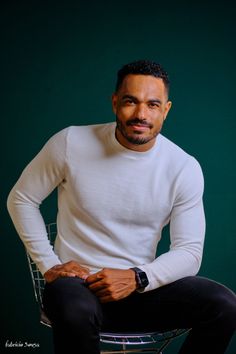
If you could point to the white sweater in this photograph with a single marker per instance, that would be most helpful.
(112, 204)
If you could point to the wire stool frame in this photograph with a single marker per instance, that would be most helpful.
(123, 343)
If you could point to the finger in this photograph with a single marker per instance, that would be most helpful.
(79, 269)
(78, 272)
(80, 275)
(73, 274)
(93, 278)
(102, 292)
(96, 286)
(67, 274)
(84, 276)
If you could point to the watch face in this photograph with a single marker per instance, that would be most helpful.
(143, 279)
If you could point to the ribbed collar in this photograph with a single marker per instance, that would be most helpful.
(118, 148)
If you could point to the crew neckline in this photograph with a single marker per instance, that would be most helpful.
(132, 153)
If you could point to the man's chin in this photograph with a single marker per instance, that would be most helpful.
(138, 139)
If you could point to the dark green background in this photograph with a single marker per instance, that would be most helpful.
(59, 61)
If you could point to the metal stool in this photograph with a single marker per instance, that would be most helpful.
(123, 343)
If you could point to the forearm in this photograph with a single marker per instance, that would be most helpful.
(187, 233)
(30, 226)
(171, 266)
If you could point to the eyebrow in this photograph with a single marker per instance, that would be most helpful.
(135, 99)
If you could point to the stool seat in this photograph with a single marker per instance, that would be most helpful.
(139, 340)
(148, 342)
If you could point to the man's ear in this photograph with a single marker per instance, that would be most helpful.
(167, 108)
(114, 102)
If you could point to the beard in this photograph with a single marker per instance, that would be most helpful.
(135, 138)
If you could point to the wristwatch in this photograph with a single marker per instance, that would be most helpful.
(141, 278)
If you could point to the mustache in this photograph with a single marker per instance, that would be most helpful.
(137, 121)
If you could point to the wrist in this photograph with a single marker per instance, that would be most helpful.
(141, 278)
(133, 278)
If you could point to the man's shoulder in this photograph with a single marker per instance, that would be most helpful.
(84, 136)
(89, 129)
(75, 130)
(172, 147)
(177, 156)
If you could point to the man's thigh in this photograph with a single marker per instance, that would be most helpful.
(176, 305)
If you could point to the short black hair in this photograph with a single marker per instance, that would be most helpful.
(143, 67)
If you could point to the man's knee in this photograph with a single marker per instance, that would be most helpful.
(217, 298)
(68, 302)
(224, 301)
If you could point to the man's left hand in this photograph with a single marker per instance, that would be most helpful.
(112, 284)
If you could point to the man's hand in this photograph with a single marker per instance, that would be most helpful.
(69, 269)
(112, 284)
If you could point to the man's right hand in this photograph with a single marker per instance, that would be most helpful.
(69, 269)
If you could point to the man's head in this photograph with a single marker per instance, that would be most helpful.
(143, 67)
(140, 104)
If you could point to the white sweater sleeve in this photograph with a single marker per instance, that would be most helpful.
(38, 180)
(187, 231)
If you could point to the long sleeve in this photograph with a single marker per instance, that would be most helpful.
(187, 231)
(43, 174)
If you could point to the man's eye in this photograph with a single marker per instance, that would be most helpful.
(128, 102)
(153, 105)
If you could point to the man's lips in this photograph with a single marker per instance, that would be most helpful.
(139, 125)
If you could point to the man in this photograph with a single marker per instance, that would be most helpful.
(118, 185)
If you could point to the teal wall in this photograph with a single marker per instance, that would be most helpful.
(59, 63)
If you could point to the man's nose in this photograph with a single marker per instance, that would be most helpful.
(140, 111)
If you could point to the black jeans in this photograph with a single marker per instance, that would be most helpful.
(77, 316)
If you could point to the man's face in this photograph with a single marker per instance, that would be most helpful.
(141, 106)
